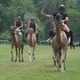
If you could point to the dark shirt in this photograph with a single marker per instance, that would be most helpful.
(18, 23)
(33, 25)
(62, 16)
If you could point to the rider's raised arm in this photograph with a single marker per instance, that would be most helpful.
(47, 15)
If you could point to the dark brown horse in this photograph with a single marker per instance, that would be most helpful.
(31, 41)
(59, 45)
(18, 44)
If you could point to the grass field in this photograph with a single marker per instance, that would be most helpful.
(41, 69)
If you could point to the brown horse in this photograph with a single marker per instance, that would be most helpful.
(31, 41)
(18, 44)
(59, 45)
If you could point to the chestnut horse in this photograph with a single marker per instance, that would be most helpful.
(31, 41)
(18, 44)
(59, 45)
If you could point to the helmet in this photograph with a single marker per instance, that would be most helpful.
(62, 6)
(32, 18)
(19, 17)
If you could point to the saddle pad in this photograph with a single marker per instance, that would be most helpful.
(20, 36)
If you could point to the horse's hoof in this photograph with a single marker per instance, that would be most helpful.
(54, 63)
(11, 59)
(22, 60)
(33, 58)
(15, 60)
(19, 60)
(62, 71)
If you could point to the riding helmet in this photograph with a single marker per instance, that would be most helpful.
(62, 6)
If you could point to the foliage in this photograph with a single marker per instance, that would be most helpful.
(10, 9)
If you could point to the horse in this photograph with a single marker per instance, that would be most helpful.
(31, 41)
(59, 46)
(17, 43)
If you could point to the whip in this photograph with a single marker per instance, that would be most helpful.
(45, 4)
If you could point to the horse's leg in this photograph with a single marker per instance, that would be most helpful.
(73, 46)
(19, 54)
(33, 57)
(54, 57)
(22, 52)
(65, 53)
(30, 57)
(63, 59)
(12, 46)
(58, 62)
(16, 53)
(58, 59)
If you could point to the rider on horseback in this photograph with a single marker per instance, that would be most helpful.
(18, 26)
(34, 26)
(64, 21)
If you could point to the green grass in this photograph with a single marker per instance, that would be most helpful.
(41, 69)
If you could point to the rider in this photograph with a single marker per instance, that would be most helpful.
(18, 24)
(34, 26)
(65, 19)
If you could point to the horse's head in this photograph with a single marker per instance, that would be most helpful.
(30, 30)
(58, 19)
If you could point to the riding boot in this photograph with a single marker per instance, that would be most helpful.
(71, 40)
(70, 37)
